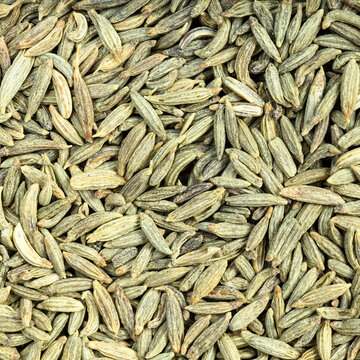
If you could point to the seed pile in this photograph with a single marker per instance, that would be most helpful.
(179, 179)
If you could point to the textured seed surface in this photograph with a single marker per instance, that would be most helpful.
(179, 179)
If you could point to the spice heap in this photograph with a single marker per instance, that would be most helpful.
(179, 179)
